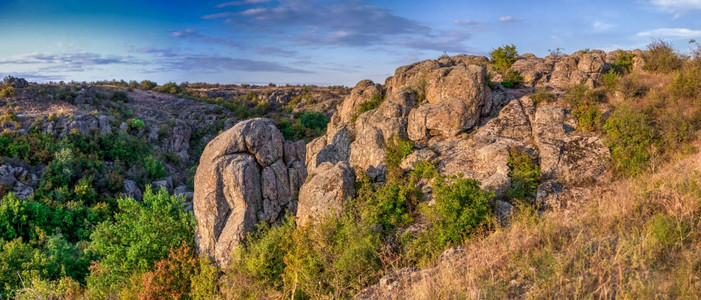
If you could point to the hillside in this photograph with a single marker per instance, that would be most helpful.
(513, 176)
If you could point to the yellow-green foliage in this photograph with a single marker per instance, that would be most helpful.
(629, 136)
(542, 95)
(525, 176)
(7, 92)
(662, 58)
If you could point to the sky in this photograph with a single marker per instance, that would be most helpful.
(307, 41)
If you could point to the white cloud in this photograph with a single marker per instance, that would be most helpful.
(601, 26)
(466, 22)
(237, 3)
(508, 19)
(677, 7)
(253, 11)
(671, 33)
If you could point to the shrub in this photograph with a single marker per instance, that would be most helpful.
(147, 85)
(335, 258)
(585, 108)
(662, 58)
(542, 95)
(373, 103)
(687, 83)
(154, 168)
(171, 278)
(511, 78)
(171, 88)
(314, 120)
(262, 256)
(119, 96)
(7, 92)
(630, 86)
(503, 57)
(460, 210)
(136, 124)
(623, 63)
(588, 115)
(629, 136)
(140, 234)
(610, 79)
(525, 176)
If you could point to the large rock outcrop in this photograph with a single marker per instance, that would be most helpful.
(246, 175)
(326, 193)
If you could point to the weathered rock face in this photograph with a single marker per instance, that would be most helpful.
(457, 97)
(131, 189)
(246, 175)
(326, 192)
(18, 179)
(565, 71)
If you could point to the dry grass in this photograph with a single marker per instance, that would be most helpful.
(638, 239)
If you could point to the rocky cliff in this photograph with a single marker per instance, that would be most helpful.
(455, 117)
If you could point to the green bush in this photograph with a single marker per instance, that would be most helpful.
(687, 83)
(542, 95)
(314, 120)
(511, 79)
(610, 79)
(119, 96)
(374, 102)
(503, 57)
(629, 137)
(263, 255)
(588, 115)
(585, 108)
(623, 63)
(525, 176)
(171, 88)
(136, 124)
(154, 168)
(147, 85)
(140, 234)
(662, 58)
(460, 210)
(7, 92)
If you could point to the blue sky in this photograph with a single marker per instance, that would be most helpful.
(306, 41)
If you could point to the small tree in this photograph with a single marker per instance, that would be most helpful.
(503, 57)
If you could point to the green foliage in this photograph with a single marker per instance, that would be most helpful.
(623, 63)
(525, 176)
(610, 79)
(7, 92)
(119, 96)
(585, 108)
(314, 120)
(335, 258)
(396, 149)
(262, 256)
(154, 168)
(629, 136)
(511, 79)
(461, 209)
(662, 58)
(588, 115)
(147, 85)
(687, 83)
(503, 57)
(542, 95)
(306, 125)
(171, 88)
(136, 124)
(140, 234)
(373, 103)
